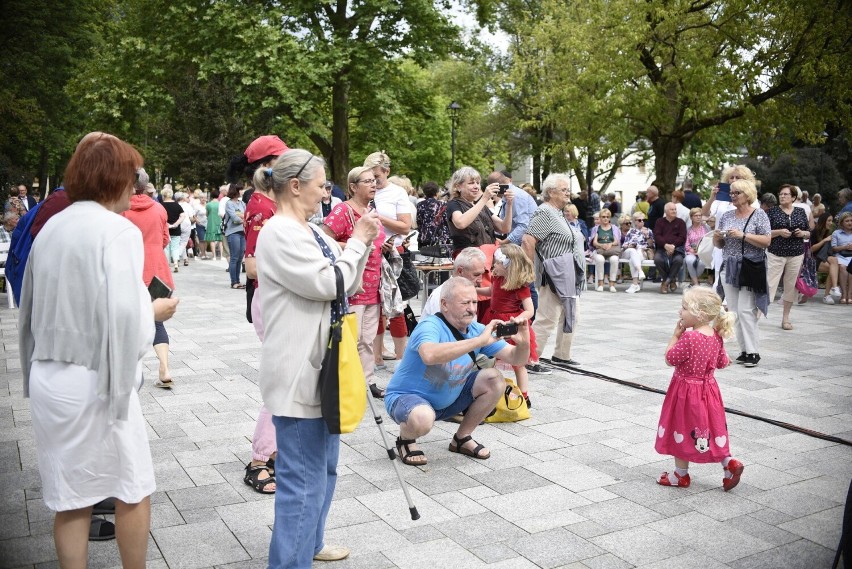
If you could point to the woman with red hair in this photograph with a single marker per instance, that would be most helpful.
(86, 322)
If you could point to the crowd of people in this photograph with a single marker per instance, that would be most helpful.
(521, 260)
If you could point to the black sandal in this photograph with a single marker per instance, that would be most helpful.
(101, 530)
(376, 391)
(252, 478)
(465, 451)
(406, 457)
(270, 466)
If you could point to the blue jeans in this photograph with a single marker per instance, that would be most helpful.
(305, 477)
(237, 245)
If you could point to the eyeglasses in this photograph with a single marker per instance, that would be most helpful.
(639, 220)
(784, 194)
(736, 193)
(369, 182)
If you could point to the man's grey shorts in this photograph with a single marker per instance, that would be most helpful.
(403, 405)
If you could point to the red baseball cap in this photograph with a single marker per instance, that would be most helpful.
(267, 145)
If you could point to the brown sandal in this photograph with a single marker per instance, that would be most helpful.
(786, 326)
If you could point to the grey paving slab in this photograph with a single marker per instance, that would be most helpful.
(197, 545)
(573, 487)
(801, 554)
(640, 545)
(554, 548)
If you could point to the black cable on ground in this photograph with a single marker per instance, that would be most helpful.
(634, 385)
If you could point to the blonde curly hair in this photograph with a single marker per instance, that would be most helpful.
(706, 306)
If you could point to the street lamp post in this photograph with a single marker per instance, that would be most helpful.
(453, 110)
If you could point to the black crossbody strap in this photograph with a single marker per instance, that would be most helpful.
(744, 228)
(458, 336)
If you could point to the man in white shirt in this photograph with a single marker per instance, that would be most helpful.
(470, 264)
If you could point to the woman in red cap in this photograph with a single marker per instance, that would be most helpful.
(260, 154)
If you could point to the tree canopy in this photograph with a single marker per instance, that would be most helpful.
(683, 72)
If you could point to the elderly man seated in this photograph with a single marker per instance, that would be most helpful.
(470, 264)
(438, 377)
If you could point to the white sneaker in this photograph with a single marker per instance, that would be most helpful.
(634, 288)
(612, 289)
(835, 292)
(641, 276)
(599, 288)
(827, 299)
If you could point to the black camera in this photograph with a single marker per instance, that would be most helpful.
(504, 330)
(503, 188)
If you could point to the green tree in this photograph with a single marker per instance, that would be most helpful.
(42, 47)
(295, 66)
(677, 73)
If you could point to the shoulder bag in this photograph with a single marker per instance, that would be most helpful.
(705, 249)
(343, 387)
(752, 273)
(806, 282)
(408, 281)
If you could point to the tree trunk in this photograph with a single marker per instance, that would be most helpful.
(339, 159)
(536, 171)
(666, 157)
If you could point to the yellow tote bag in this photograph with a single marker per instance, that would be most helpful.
(343, 389)
(353, 386)
(511, 407)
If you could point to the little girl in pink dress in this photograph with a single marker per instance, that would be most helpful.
(692, 424)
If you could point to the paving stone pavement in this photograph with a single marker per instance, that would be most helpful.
(572, 487)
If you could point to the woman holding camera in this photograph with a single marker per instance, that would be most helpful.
(470, 221)
(743, 235)
(296, 283)
(789, 229)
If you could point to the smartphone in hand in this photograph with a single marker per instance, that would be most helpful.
(159, 289)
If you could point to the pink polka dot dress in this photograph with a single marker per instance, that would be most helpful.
(692, 422)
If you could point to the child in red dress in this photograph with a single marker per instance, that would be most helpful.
(692, 424)
(511, 275)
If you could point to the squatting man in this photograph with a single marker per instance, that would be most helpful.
(438, 377)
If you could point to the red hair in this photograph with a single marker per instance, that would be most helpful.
(102, 169)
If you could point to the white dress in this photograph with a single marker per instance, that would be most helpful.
(82, 458)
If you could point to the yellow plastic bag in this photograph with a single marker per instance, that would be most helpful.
(511, 407)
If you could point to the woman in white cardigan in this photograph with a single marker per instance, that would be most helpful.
(86, 322)
(297, 284)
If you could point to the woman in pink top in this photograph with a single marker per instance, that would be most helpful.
(693, 237)
(339, 225)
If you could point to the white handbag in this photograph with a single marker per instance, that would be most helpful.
(705, 249)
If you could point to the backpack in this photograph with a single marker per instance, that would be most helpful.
(19, 252)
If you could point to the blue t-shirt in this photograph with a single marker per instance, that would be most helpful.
(439, 384)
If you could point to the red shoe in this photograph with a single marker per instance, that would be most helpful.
(735, 467)
(682, 481)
